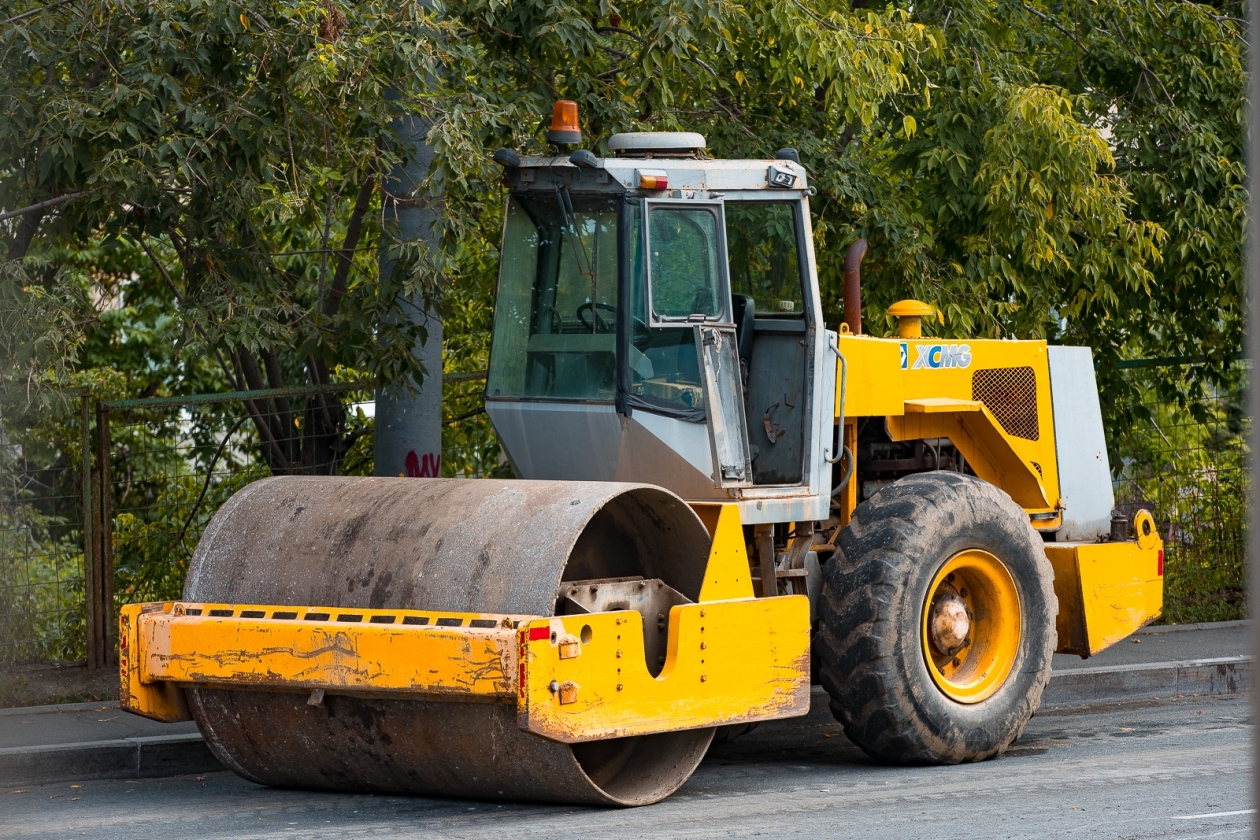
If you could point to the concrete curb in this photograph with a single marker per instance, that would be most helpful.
(1154, 681)
(173, 755)
(59, 707)
(1155, 630)
(148, 757)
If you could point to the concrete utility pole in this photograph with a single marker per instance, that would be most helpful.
(409, 426)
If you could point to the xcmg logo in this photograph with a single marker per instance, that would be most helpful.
(935, 356)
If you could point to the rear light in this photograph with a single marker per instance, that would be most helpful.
(653, 179)
(1160, 563)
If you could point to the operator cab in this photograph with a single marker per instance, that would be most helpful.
(658, 320)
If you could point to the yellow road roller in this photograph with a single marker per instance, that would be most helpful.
(719, 502)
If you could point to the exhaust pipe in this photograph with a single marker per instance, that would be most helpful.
(853, 286)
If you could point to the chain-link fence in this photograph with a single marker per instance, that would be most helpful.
(1185, 460)
(173, 462)
(42, 524)
(80, 538)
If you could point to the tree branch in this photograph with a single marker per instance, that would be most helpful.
(162, 270)
(249, 369)
(271, 362)
(34, 12)
(1142, 64)
(43, 205)
(1070, 36)
(348, 247)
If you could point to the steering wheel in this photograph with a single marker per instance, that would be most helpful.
(554, 320)
(600, 324)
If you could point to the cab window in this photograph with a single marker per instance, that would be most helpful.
(764, 260)
(556, 314)
(664, 367)
(685, 263)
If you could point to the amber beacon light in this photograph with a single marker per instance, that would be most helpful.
(564, 129)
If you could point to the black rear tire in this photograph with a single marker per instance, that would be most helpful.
(870, 642)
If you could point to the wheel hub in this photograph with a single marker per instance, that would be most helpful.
(971, 626)
(949, 624)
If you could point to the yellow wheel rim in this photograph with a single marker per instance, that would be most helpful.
(971, 626)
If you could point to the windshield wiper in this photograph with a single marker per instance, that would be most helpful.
(568, 216)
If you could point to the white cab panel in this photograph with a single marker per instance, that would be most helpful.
(1084, 471)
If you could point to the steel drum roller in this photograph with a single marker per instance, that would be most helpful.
(437, 544)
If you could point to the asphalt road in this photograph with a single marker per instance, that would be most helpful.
(1174, 769)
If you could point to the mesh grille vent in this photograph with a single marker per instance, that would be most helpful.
(1011, 394)
(1037, 467)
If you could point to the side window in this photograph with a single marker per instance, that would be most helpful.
(685, 263)
(764, 260)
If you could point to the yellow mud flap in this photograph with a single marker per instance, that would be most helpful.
(1107, 590)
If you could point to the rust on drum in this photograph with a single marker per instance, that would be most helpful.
(441, 544)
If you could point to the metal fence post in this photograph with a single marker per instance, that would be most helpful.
(105, 536)
(91, 577)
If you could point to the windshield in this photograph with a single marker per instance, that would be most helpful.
(555, 318)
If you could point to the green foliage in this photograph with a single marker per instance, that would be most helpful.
(962, 140)
(41, 523)
(41, 582)
(1108, 137)
(232, 147)
(1192, 474)
(1046, 168)
(153, 543)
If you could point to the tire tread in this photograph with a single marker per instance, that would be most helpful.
(857, 620)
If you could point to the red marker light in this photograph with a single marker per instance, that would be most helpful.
(537, 633)
(1160, 565)
(653, 179)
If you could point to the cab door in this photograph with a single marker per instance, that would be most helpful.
(772, 304)
(688, 295)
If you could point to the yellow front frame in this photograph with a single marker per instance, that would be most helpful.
(731, 658)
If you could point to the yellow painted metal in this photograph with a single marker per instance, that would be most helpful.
(727, 662)
(910, 315)
(1147, 533)
(975, 672)
(157, 700)
(935, 401)
(977, 435)
(848, 497)
(1105, 591)
(728, 574)
(249, 646)
(730, 658)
